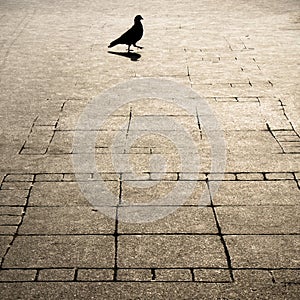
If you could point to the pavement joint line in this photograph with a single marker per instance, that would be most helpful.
(225, 248)
(29, 133)
(116, 233)
(52, 136)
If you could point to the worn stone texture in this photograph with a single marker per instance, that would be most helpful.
(225, 236)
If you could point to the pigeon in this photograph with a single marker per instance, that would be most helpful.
(131, 36)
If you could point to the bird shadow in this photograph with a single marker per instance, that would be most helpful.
(132, 55)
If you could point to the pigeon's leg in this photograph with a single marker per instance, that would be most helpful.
(129, 48)
(139, 47)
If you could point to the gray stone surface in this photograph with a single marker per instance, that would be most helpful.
(264, 251)
(173, 251)
(65, 220)
(56, 275)
(182, 220)
(227, 236)
(61, 251)
(257, 193)
(259, 219)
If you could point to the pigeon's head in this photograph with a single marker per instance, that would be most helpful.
(138, 18)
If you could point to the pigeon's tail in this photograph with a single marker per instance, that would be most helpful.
(113, 43)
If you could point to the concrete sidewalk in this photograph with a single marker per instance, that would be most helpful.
(201, 138)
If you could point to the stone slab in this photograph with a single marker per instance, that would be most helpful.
(257, 193)
(264, 251)
(259, 219)
(61, 251)
(181, 220)
(73, 220)
(173, 251)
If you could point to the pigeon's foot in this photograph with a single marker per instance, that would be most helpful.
(139, 47)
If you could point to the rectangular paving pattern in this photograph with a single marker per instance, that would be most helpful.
(185, 190)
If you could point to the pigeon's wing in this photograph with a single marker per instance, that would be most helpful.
(126, 38)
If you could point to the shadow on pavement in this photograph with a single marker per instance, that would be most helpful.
(133, 56)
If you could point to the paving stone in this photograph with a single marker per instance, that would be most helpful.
(192, 176)
(73, 177)
(19, 177)
(250, 176)
(221, 177)
(65, 194)
(248, 99)
(9, 220)
(263, 251)
(73, 220)
(110, 176)
(49, 177)
(165, 192)
(134, 275)
(61, 251)
(13, 197)
(239, 115)
(259, 147)
(17, 275)
(11, 210)
(8, 230)
(167, 176)
(173, 275)
(286, 276)
(259, 276)
(140, 251)
(179, 220)
(56, 193)
(212, 275)
(257, 193)
(279, 176)
(56, 275)
(95, 275)
(16, 185)
(258, 219)
(139, 176)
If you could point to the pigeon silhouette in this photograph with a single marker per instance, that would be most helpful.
(131, 36)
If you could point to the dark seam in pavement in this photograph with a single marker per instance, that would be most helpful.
(273, 135)
(227, 254)
(116, 234)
